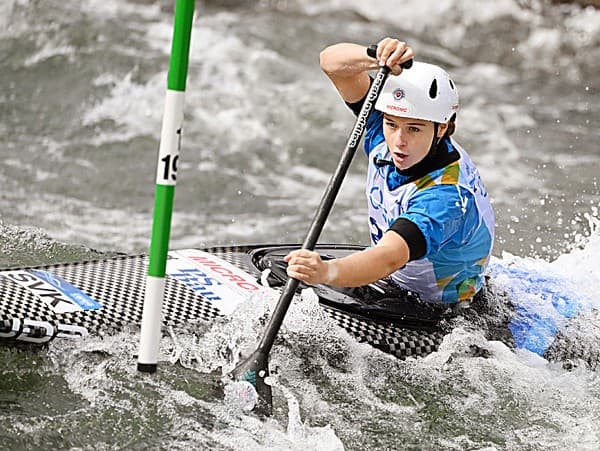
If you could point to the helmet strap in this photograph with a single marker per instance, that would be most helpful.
(436, 141)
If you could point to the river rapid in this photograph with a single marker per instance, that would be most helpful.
(80, 116)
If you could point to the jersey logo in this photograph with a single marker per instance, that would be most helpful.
(376, 197)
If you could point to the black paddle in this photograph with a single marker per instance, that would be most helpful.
(255, 368)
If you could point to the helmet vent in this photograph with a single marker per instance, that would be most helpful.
(433, 89)
(451, 84)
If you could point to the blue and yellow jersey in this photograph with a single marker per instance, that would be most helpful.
(451, 208)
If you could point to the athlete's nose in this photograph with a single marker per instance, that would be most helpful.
(399, 139)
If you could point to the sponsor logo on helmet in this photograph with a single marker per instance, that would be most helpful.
(455, 107)
(398, 94)
(401, 109)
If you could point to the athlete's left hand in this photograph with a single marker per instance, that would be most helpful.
(308, 267)
(392, 53)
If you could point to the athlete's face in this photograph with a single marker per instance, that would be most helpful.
(409, 140)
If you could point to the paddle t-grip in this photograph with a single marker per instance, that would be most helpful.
(372, 52)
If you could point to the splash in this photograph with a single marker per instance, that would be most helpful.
(550, 297)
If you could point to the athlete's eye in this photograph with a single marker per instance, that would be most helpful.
(391, 124)
(414, 129)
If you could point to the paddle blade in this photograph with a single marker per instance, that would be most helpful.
(254, 370)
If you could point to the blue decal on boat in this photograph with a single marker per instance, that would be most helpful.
(198, 281)
(73, 293)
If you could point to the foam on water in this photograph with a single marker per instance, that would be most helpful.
(135, 109)
(73, 220)
(102, 371)
(497, 391)
(113, 9)
(492, 391)
(419, 13)
(329, 390)
(548, 294)
(581, 265)
(257, 148)
(250, 103)
(547, 30)
(226, 339)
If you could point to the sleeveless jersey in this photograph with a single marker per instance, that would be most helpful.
(450, 206)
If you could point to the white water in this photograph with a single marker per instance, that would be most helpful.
(333, 393)
(80, 123)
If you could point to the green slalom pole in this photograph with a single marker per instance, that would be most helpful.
(166, 176)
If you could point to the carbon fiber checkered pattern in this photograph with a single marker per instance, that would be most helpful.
(119, 285)
(395, 340)
(391, 339)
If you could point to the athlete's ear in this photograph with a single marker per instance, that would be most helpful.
(442, 130)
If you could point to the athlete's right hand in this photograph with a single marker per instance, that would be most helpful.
(392, 53)
(307, 266)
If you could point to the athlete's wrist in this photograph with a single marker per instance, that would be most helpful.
(332, 272)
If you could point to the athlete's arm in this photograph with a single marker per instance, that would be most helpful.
(347, 65)
(361, 268)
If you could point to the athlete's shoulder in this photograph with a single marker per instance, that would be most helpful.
(442, 198)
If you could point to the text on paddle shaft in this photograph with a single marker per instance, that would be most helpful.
(366, 110)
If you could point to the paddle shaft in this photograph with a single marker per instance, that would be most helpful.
(331, 191)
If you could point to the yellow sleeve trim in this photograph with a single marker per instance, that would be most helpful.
(424, 182)
(450, 175)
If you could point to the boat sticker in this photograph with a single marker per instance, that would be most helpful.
(216, 280)
(233, 275)
(39, 331)
(55, 292)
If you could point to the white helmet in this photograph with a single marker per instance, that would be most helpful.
(425, 91)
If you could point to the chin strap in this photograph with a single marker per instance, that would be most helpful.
(436, 141)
